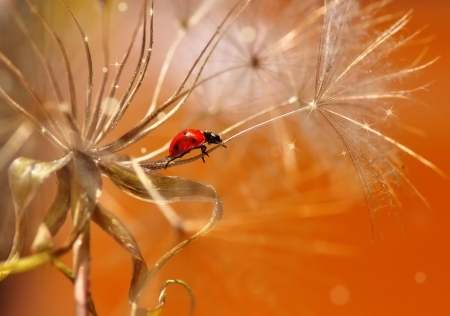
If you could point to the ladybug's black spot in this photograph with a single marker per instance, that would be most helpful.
(184, 133)
(176, 147)
(194, 140)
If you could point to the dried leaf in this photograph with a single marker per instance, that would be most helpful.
(114, 227)
(162, 300)
(207, 192)
(43, 240)
(57, 213)
(162, 297)
(25, 177)
(171, 189)
(85, 188)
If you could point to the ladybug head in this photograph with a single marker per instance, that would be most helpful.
(212, 138)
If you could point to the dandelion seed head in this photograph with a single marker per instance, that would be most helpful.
(122, 6)
(339, 295)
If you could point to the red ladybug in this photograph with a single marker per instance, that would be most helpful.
(190, 139)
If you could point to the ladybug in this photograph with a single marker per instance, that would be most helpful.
(190, 139)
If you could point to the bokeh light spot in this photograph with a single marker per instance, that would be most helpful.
(420, 277)
(122, 7)
(248, 34)
(161, 115)
(339, 295)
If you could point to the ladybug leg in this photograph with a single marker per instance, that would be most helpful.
(224, 145)
(176, 157)
(203, 149)
(170, 160)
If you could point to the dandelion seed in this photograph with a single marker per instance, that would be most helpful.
(143, 150)
(86, 38)
(105, 69)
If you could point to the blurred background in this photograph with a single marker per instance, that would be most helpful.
(295, 238)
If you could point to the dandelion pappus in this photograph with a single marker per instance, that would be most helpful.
(190, 139)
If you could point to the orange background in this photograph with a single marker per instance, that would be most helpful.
(289, 264)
